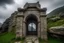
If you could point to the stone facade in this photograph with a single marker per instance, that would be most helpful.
(18, 20)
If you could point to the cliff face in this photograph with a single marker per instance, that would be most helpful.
(0, 24)
(7, 25)
(12, 22)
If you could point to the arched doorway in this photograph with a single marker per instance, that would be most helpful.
(31, 25)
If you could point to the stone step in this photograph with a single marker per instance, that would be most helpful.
(31, 39)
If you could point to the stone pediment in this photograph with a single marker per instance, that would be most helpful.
(32, 5)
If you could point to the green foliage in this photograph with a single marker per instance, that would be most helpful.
(61, 39)
(53, 40)
(19, 39)
(50, 40)
(9, 37)
(6, 37)
(42, 40)
(51, 23)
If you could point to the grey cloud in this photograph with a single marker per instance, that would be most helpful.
(3, 2)
(50, 4)
(2, 20)
(58, 3)
(5, 13)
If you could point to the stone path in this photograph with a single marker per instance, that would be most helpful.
(31, 39)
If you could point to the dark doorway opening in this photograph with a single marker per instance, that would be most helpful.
(31, 25)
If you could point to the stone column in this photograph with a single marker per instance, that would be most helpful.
(19, 27)
(43, 27)
(38, 29)
(24, 29)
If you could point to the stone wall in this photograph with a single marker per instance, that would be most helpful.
(18, 20)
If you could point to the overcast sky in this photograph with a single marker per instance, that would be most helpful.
(7, 7)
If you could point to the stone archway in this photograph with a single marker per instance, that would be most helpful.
(31, 25)
(31, 14)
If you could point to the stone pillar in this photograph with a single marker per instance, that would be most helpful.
(38, 29)
(24, 29)
(43, 27)
(19, 27)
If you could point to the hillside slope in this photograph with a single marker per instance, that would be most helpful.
(56, 12)
(52, 23)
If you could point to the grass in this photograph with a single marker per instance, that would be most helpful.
(51, 23)
(55, 23)
(53, 40)
(9, 37)
(6, 37)
(18, 39)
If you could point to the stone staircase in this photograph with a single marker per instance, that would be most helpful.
(31, 39)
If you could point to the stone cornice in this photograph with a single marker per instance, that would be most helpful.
(40, 10)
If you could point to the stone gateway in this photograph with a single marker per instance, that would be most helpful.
(30, 20)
